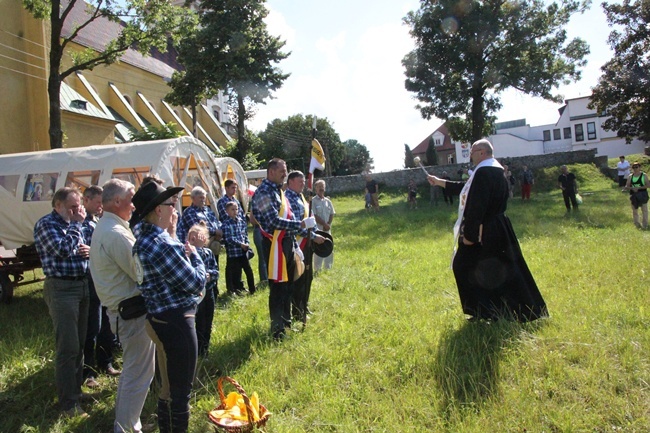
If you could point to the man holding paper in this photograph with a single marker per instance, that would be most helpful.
(491, 274)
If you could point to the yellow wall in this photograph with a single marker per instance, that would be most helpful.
(24, 115)
(23, 81)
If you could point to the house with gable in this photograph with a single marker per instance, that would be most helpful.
(99, 106)
(577, 128)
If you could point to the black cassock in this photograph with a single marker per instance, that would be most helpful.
(492, 276)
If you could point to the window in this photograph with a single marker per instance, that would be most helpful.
(591, 130)
(10, 183)
(580, 134)
(40, 186)
(82, 179)
(450, 159)
(556, 134)
(547, 135)
(131, 174)
(567, 133)
(216, 115)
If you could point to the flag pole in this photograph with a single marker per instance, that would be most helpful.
(310, 176)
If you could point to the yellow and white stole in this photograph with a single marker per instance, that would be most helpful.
(277, 266)
(302, 242)
(462, 201)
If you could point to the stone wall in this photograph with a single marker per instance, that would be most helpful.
(400, 178)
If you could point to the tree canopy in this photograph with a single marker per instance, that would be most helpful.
(290, 140)
(467, 52)
(142, 26)
(232, 51)
(356, 159)
(623, 91)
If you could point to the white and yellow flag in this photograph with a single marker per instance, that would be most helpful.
(317, 157)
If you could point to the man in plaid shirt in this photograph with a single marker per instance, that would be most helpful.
(231, 189)
(197, 212)
(267, 204)
(64, 255)
(235, 235)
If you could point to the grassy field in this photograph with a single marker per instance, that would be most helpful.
(387, 348)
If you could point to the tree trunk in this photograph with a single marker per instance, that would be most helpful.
(54, 79)
(242, 143)
(195, 131)
(478, 116)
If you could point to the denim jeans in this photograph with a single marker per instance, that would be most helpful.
(67, 302)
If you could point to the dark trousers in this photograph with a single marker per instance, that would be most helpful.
(234, 267)
(204, 319)
(449, 199)
(570, 196)
(98, 347)
(302, 288)
(280, 292)
(174, 334)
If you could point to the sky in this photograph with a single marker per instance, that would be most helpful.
(345, 65)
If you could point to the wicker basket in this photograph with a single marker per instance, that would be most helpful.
(264, 414)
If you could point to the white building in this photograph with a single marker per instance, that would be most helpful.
(578, 128)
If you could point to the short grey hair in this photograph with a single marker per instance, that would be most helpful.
(116, 188)
(197, 190)
(319, 182)
(484, 144)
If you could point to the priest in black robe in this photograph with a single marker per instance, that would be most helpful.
(492, 276)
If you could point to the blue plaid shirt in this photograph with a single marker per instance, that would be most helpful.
(266, 207)
(193, 215)
(88, 227)
(298, 209)
(235, 233)
(167, 278)
(56, 242)
(221, 208)
(211, 266)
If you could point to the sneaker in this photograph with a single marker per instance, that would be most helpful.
(91, 383)
(75, 411)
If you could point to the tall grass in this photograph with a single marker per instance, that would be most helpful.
(387, 348)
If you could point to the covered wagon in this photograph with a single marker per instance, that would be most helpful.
(28, 182)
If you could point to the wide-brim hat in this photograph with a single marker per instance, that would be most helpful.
(148, 197)
(326, 248)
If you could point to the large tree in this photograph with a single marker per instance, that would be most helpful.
(467, 52)
(233, 51)
(143, 25)
(356, 159)
(623, 91)
(290, 139)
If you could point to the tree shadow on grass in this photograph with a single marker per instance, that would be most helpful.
(467, 362)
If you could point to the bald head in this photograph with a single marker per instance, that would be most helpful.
(481, 150)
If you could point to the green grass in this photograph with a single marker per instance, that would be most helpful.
(388, 349)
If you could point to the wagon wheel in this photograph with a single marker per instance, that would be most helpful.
(6, 288)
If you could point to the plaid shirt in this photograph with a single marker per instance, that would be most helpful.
(221, 208)
(211, 266)
(88, 227)
(298, 210)
(235, 233)
(167, 278)
(193, 215)
(266, 207)
(57, 242)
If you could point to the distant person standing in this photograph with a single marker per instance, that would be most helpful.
(231, 191)
(527, 182)
(412, 191)
(623, 167)
(448, 196)
(637, 184)
(324, 213)
(510, 178)
(372, 188)
(64, 254)
(567, 183)
(235, 236)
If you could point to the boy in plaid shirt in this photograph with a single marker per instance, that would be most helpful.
(235, 235)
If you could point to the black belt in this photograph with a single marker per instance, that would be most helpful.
(79, 278)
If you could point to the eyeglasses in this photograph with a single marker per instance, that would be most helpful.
(167, 204)
(636, 166)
